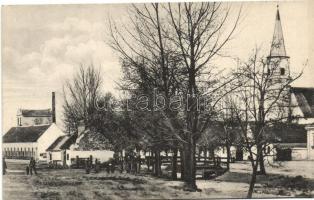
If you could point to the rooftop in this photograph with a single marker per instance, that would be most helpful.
(305, 100)
(24, 134)
(62, 142)
(35, 113)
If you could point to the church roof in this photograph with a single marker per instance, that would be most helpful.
(278, 45)
(24, 134)
(287, 133)
(305, 100)
(36, 113)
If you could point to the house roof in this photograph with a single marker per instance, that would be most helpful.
(305, 100)
(92, 140)
(36, 113)
(24, 134)
(62, 142)
(287, 133)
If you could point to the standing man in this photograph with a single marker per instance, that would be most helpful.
(4, 165)
(32, 166)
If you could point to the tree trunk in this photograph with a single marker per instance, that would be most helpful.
(138, 161)
(174, 164)
(228, 156)
(182, 156)
(190, 165)
(157, 164)
(253, 181)
(261, 164)
(262, 170)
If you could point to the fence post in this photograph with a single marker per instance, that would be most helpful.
(77, 162)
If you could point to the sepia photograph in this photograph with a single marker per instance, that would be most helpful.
(157, 100)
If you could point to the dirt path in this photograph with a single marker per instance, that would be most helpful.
(16, 186)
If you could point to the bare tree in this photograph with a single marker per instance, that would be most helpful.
(198, 33)
(80, 95)
(175, 43)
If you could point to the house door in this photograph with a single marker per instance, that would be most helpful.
(284, 154)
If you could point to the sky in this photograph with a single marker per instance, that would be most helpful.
(42, 46)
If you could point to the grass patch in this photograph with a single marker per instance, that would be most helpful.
(54, 182)
(121, 179)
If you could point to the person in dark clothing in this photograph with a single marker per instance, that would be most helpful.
(32, 166)
(27, 170)
(87, 166)
(4, 165)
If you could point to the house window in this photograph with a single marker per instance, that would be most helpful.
(68, 157)
(282, 71)
(38, 121)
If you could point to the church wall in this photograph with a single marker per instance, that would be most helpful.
(31, 121)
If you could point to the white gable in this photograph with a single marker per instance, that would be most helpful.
(47, 138)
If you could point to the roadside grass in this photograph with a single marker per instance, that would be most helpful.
(75, 184)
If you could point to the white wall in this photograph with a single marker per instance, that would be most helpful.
(46, 139)
(269, 157)
(310, 142)
(222, 152)
(30, 121)
(299, 154)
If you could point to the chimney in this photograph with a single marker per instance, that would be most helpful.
(53, 107)
(80, 127)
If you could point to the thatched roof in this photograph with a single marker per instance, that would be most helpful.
(92, 140)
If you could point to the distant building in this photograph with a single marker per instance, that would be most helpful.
(294, 141)
(35, 132)
(33, 117)
(30, 141)
(88, 143)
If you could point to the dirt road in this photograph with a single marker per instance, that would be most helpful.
(16, 186)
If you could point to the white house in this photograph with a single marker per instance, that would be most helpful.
(23, 142)
(66, 149)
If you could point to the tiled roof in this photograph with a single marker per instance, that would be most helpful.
(36, 113)
(305, 100)
(24, 134)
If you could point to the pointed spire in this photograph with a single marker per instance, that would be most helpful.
(278, 44)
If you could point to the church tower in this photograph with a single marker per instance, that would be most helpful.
(279, 70)
(278, 61)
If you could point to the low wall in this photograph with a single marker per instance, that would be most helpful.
(299, 153)
(102, 155)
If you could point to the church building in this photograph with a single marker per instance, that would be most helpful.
(297, 141)
(35, 131)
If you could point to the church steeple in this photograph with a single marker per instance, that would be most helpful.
(278, 61)
(278, 45)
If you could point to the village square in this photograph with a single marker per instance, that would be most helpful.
(158, 101)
